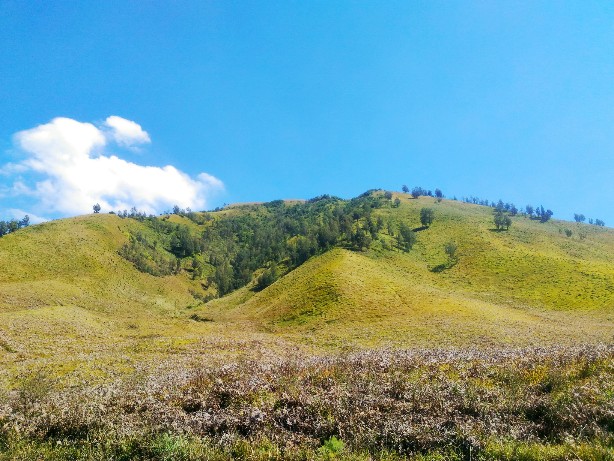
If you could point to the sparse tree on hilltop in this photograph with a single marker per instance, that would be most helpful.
(502, 220)
(405, 189)
(13, 225)
(545, 215)
(96, 208)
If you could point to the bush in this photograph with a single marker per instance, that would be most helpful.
(426, 216)
(331, 448)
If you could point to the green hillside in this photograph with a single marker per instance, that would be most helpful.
(529, 285)
(66, 291)
(69, 301)
(324, 329)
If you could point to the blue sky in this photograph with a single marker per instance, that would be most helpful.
(254, 101)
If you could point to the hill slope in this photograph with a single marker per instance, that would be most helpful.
(528, 285)
(66, 292)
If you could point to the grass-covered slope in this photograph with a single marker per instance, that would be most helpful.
(528, 285)
(69, 299)
(65, 287)
(75, 262)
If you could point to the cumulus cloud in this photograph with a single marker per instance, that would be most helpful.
(76, 171)
(125, 132)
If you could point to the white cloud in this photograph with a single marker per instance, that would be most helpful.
(125, 132)
(77, 172)
(15, 213)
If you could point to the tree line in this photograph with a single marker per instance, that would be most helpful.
(7, 227)
(580, 218)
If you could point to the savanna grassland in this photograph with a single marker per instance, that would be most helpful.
(308, 330)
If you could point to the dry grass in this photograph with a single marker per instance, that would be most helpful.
(469, 404)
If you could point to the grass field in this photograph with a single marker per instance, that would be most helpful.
(79, 325)
(530, 285)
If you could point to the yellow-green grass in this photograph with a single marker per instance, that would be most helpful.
(528, 285)
(70, 302)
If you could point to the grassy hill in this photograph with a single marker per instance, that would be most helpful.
(529, 285)
(101, 360)
(64, 287)
(70, 302)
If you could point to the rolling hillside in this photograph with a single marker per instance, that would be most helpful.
(283, 331)
(66, 295)
(529, 285)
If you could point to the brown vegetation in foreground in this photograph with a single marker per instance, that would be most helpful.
(401, 402)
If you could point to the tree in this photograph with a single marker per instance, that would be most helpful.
(390, 228)
(268, 277)
(450, 249)
(599, 222)
(545, 215)
(438, 193)
(13, 225)
(361, 239)
(579, 217)
(568, 232)
(406, 238)
(502, 220)
(96, 208)
(426, 216)
(405, 189)
(397, 202)
(388, 195)
(417, 192)
(25, 222)
(529, 210)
